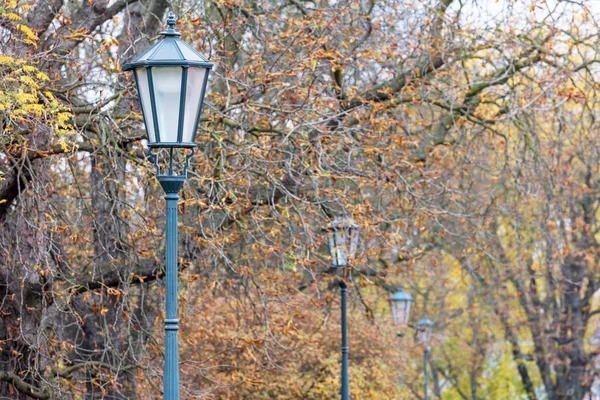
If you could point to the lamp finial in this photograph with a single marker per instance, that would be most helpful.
(171, 21)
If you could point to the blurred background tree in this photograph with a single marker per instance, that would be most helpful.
(461, 136)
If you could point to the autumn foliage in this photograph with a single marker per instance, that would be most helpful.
(462, 136)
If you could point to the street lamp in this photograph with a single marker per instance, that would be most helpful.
(400, 304)
(343, 241)
(424, 331)
(171, 80)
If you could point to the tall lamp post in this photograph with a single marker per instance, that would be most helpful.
(400, 304)
(343, 241)
(171, 80)
(424, 331)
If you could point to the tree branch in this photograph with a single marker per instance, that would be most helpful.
(19, 176)
(24, 387)
(67, 372)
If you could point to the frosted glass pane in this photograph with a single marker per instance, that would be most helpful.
(141, 76)
(167, 88)
(424, 335)
(338, 247)
(400, 311)
(193, 94)
(354, 236)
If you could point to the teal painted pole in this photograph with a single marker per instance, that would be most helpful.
(425, 359)
(171, 186)
(345, 378)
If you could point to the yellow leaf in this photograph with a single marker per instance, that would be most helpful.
(49, 217)
(12, 16)
(42, 76)
(27, 31)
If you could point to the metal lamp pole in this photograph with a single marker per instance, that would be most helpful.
(171, 186)
(425, 359)
(343, 242)
(345, 377)
(424, 332)
(171, 79)
(400, 304)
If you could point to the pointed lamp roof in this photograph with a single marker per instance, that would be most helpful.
(169, 51)
(401, 295)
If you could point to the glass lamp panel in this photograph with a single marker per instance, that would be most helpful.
(337, 247)
(141, 77)
(421, 336)
(400, 311)
(424, 335)
(406, 315)
(193, 95)
(394, 309)
(427, 337)
(354, 235)
(167, 94)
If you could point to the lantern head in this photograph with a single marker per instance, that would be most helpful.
(171, 80)
(424, 331)
(343, 235)
(400, 304)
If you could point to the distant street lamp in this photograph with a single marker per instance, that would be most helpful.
(424, 332)
(400, 303)
(171, 80)
(343, 242)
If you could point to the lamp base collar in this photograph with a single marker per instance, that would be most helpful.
(171, 183)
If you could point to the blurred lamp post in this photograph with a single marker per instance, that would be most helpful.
(343, 241)
(400, 304)
(424, 331)
(171, 80)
